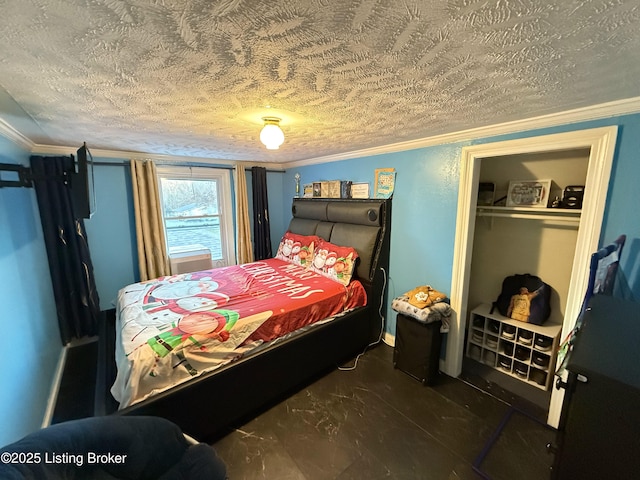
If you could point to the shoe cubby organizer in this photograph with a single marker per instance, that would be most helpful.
(524, 351)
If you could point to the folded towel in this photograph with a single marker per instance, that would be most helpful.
(440, 311)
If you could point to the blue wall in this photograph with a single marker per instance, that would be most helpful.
(422, 240)
(111, 233)
(622, 215)
(425, 204)
(31, 353)
(111, 230)
(27, 299)
(423, 212)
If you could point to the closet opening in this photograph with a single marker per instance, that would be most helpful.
(512, 354)
(500, 234)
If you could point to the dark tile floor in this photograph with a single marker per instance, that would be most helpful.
(367, 423)
(378, 422)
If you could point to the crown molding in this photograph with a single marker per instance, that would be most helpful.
(158, 158)
(604, 110)
(15, 136)
(595, 112)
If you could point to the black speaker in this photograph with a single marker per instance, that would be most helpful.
(572, 196)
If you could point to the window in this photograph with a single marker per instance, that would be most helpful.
(196, 208)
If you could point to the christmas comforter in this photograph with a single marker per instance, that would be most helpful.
(174, 328)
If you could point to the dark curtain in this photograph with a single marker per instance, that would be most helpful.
(74, 289)
(262, 237)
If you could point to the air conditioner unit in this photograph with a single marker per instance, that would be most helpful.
(189, 258)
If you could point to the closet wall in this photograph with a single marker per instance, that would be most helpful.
(505, 246)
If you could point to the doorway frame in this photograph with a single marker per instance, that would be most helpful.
(601, 143)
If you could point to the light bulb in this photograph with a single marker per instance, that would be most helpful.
(271, 134)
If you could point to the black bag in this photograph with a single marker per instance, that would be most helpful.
(524, 297)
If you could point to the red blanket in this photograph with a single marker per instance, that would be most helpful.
(173, 328)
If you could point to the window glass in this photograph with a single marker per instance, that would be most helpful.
(196, 207)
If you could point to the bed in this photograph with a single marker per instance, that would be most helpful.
(255, 349)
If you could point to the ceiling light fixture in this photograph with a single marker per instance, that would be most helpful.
(271, 134)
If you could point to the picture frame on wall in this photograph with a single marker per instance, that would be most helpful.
(528, 193)
(385, 182)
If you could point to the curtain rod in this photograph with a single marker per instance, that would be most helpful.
(206, 165)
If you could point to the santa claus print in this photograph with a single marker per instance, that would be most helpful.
(168, 301)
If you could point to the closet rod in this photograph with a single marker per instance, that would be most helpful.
(208, 165)
(555, 218)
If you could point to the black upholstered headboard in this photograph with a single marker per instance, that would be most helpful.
(361, 224)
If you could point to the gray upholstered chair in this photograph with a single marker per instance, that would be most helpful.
(111, 447)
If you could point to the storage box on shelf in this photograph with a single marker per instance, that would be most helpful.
(522, 350)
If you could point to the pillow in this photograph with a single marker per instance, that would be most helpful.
(424, 296)
(334, 261)
(296, 248)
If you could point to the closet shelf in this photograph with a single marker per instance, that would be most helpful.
(569, 215)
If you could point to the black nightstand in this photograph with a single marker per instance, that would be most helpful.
(417, 348)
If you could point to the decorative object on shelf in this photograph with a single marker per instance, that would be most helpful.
(328, 189)
(556, 202)
(271, 134)
(360, 190)
(297, 178)
(324, 189)
(572, 196)
(307, 190)
(385, 182)
(486, 192)
(345, 189)
(333, 189)
(528, 193)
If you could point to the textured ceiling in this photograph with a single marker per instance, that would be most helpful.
(194, 78)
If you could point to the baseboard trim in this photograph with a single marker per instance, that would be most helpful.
(76, 342)
(389, 339)
(55, 388)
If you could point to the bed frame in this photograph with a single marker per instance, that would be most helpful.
(211, 404)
